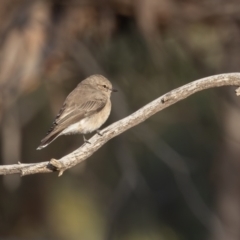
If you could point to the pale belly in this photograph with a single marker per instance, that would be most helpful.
(89, 124)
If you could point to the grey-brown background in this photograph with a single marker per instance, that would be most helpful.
(175, 177)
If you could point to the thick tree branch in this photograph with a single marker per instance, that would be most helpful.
(86, 150)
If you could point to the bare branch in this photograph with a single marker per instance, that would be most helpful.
(86, 150)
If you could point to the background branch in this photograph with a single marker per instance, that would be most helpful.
(120, 126)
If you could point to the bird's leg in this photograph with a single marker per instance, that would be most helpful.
(99, 133)
(85, 140)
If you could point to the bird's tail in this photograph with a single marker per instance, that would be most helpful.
(48, 139)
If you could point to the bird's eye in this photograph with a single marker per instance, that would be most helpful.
(105, 86)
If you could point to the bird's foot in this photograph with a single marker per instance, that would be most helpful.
(85, 140)
(99, 133)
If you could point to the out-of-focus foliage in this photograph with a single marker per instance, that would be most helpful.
(174, 177)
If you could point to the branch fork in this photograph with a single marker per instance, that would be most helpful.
(58, 166)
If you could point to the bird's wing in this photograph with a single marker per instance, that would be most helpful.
(82, 102)
(74, 109)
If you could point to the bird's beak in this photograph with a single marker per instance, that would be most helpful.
(114, 90)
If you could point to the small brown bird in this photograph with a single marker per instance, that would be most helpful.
(85, 109)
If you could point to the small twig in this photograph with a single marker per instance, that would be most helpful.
(58, 166)
(86, 150)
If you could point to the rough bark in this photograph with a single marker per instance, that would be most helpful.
(86, 150)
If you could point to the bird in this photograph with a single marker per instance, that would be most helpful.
(85, 110)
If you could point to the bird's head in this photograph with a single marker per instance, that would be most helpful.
(100, 82)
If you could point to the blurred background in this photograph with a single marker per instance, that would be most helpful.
(174, 177)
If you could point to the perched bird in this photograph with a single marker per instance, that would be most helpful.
(85, 109)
